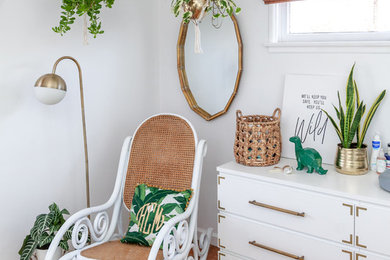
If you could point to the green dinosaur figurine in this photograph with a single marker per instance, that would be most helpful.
(307, 157)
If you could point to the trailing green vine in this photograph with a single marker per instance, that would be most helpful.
(91, 8)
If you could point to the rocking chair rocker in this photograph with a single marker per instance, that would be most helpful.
(164, 152)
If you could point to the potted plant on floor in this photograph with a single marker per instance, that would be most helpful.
(43, 233)
(351, 155)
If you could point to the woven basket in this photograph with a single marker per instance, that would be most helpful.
(258, 139)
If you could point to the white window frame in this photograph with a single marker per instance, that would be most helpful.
(281, 41)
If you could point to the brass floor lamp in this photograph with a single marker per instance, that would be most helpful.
(50, 89)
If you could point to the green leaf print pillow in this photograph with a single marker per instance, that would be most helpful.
(150, 209)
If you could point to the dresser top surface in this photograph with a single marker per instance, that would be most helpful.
(364, 187)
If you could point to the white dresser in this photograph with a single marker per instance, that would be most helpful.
(274, 216)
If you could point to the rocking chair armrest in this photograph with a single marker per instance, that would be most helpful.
(165, 230)
(102, 217)
(71, 221)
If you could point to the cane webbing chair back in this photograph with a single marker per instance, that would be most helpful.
(162, 154)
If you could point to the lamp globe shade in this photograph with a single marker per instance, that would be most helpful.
(50, 89)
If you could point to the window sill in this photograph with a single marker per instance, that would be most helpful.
(329, 47)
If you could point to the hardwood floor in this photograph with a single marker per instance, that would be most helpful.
(213, 253)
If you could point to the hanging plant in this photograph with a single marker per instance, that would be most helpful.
(90, 8)
(195, 10)
(190, 9)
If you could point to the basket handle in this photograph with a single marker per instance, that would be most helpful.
(238, 114)
(277, 111)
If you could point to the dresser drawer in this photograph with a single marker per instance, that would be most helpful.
(307, 212)
(263, 242)
(362, 255)
(372, 228)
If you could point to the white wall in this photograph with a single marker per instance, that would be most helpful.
(41, 146)
(261, 88)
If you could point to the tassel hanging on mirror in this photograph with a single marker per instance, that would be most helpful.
(198, 39)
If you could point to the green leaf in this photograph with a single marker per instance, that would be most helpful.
(355, 124)
(137, 204)
(168, 208)
(64, 245)
(28, 249)
(337, 112)
(342, 118)
(135, 238)
(155, 196)
(350, 88)
(350, 109)
(370, 115)
(42, 223)
(65, 212)
(68, 234)
(348, 122)
(357, 106)
(142, 191)
(179, 210)
(335, 126)
(181, 200)
(26, 239)
(45, 239)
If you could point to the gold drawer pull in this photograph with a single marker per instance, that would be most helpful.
(253, 202)
(358, 209)
(253, 243)
(350, 240)
(349, 253)
(350, 208)
(358, 244)
(359, 255)
(219, 206)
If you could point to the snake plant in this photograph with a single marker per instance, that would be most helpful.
(44, 231)
(91, 8)
(350, 118)
(219, 8)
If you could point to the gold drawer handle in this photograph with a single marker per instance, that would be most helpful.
(219, 206)
(358, 244)
(253, 243)
(253, 202)
(358, 210)
(349, 253)
(359, 255)
(350, 240)
(350, 208)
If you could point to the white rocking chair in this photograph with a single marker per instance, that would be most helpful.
(164, 151)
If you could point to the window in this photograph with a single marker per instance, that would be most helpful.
(332, 21)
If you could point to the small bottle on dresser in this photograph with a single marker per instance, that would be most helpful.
(387, 155)
(381, 162)
(376, 146)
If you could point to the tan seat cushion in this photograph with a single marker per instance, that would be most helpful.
(115, 250)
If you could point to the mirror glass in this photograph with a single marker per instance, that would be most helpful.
(214, 75)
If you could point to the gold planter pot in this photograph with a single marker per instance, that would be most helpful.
(352, 161)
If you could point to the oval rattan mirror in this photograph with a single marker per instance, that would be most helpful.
(210, 81)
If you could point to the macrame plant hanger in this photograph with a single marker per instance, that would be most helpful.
(197, 20)
(85, 30)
